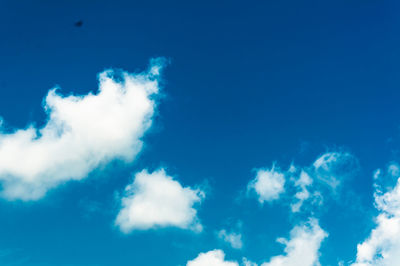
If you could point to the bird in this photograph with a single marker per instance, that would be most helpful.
(78, 23)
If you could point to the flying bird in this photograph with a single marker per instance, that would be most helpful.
(78, 23)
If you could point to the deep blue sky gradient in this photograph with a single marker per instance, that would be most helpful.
(249, 83)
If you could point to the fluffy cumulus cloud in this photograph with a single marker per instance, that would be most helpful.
(232, 238)
(382, 247)
(81, 133)
(211, 258)
(268, 184)
(302, 249)
(156, 200)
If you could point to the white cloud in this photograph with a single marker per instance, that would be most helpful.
(332, 167)
(328, 171)
(82, 132)
(234, 239)
(302, 249)
(212, 258)
(394, 169)
(382, 247)
(303, 182)
(156, 200)
(268, 184)
(247, 262)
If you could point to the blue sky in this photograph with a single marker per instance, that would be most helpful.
(257, 130)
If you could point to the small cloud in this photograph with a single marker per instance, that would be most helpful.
(268, 184)
(211, 258)
(303, 246)
(394, 169)
(377, 174)
(155, 200)
(247, 262)
(333, 167)
(303, 182)
(304, 185)
(232, 238)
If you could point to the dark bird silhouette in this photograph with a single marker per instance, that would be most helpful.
(79, 23)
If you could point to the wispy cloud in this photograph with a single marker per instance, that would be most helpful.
(303, 184)
(232, 238)
(333, 167)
